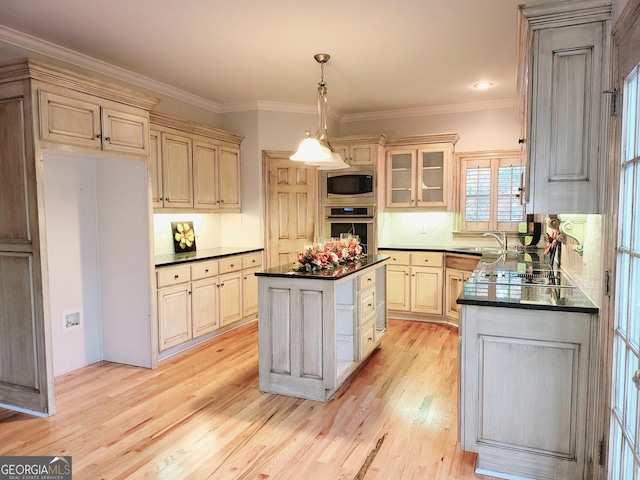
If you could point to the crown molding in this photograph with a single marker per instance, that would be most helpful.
(426, 111)
(33, 44)
(36, 45)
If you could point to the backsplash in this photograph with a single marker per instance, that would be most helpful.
(205, 226)
(586, 270)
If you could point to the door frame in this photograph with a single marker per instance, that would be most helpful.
(621, 29)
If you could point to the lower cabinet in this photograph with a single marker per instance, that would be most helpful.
(415, 281)
(201, 297)
(525, 391)
(458, 269)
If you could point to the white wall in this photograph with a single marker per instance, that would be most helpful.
(70, 205)
(97, 227)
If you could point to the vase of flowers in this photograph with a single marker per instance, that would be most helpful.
(552, 245)
(328, 254)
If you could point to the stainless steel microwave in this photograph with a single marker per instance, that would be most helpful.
(354, 186)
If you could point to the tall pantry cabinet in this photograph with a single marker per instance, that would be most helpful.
(43, 109)
(564, 96)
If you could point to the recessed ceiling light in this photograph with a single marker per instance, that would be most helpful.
(483, 85)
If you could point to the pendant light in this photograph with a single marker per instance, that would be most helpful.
(316, 150)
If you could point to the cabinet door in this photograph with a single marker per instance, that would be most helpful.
(205, 195)
(398, 287)
(69, 120)
(453, 287)
(204, 306)
(155, 169)
(362, 154)
(125, 132)
(343, 151)
(426, 290)
(174, 315)
(432, 178)
(249, 292)
(565, 150)
(229, 178)
(401, 178)
(177, 171)
(230, 298)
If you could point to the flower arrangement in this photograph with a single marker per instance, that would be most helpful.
(552, 245)
(328, 254)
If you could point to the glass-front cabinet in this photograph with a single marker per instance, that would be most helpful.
(420, 173)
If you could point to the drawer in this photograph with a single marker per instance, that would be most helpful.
(426, 259)
(204, 269)
(172, 276)
(229, 264)
(366, 280)
(252, 260)
(367, 303)
(398, 258)
(367, 339)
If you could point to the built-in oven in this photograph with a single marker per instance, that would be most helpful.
(358, 220)
(352, 186)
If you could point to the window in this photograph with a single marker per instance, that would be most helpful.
(489, 191)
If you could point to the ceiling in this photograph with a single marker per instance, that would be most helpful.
(232, 55)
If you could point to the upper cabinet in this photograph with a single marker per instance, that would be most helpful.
(360, 149)
(193, 167)
(420, 171)
(562, 79)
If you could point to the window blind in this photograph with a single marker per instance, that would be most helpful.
(478, 194)
(509, 209)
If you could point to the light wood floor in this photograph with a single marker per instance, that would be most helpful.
(200, 415)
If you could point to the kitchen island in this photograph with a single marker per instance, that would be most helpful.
(527, 387)
(316, 329)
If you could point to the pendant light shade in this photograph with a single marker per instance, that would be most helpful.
(315, 150)
(310, 150)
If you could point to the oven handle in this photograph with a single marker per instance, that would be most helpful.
(348, 218)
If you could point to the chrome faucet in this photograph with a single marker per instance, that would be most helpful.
(501, 237)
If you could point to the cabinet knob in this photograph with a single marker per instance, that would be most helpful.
(175, 277)
(426, 260)
(206, 270)
(368, 279)
(521, 141)
(108, 139)
(369, 305)
(222, 284)
(189, 292)
(232, 265)
(221, 201)
(99, 135)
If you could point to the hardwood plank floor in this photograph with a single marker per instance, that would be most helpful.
(200, 416)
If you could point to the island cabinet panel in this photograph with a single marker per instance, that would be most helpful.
(524, 389)
(315, 331)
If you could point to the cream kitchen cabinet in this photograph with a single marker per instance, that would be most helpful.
(251, 263)
(458, 269)
(360, 149)
(75, 118)
(196, 168)
(419, 172)
(199, 298)
(415, 281)
(565, 107)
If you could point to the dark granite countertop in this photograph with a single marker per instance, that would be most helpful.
(205, 254)
(524, 281)
(328, 274)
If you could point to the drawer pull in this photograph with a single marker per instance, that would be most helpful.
(232, 265)
(175, 277)
(206, 270)
(369, 305)
(368, 279)
(426, 260)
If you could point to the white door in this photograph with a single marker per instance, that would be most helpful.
(623, 459)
